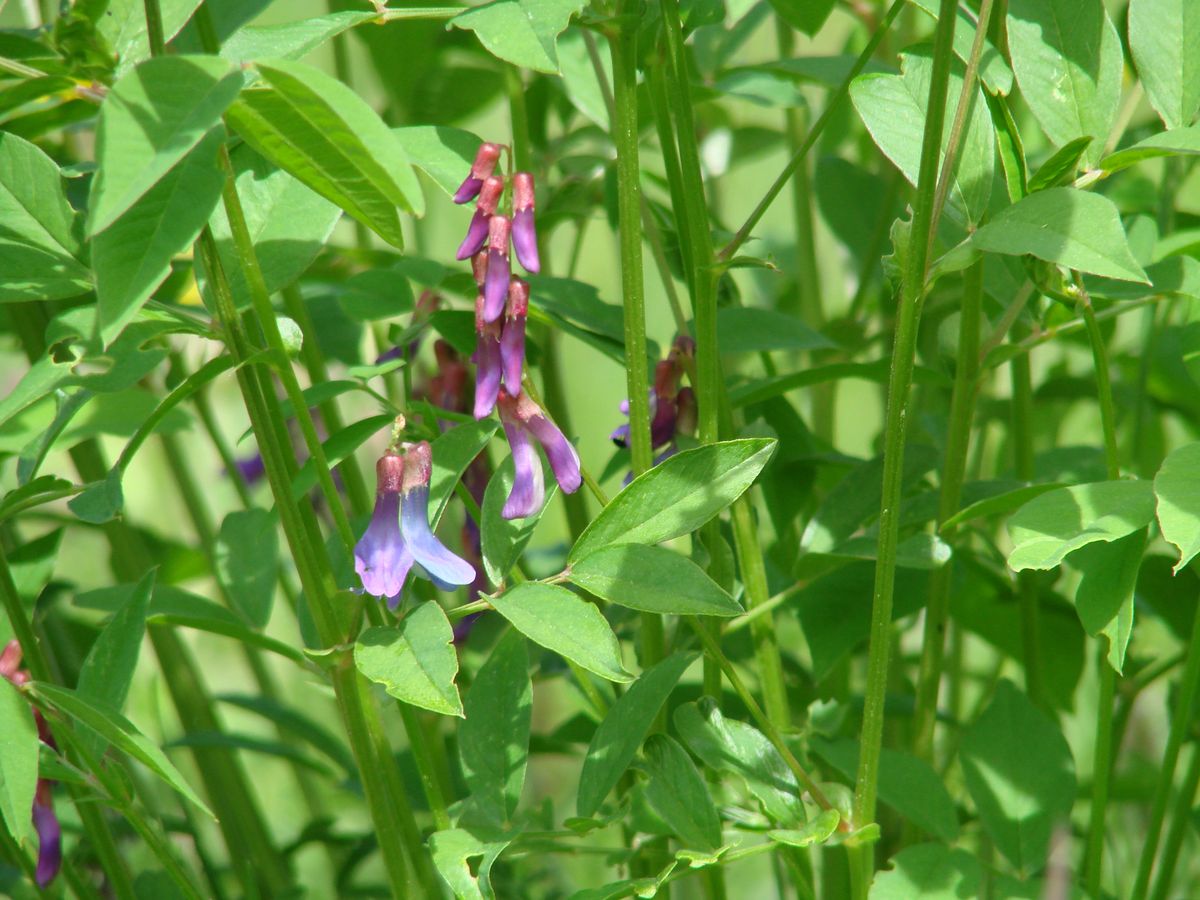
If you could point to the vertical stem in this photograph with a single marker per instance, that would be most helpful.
(1102, 760)
(1181, 717)
(154, 28)
(895, 432)
(400, 854)
(954, 470)
(629, 204)
(1180, 823)
(1027, 591)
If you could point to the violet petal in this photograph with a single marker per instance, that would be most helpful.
(528, 488)
(512, 354)
(477, 233)
(524, 238)
(561, 452)
(443, 567)
(468, 189)
(495, 285)
(49, 832)
(381, 558)
(487, 377)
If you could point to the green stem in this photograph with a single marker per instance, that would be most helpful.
(430, 781)
(810, 139)
(1102, 760)
(154, 28)
(958, 439)
(629, 203)
(1181, 823)
(310, 353)
(399, 853)
(1181, 717)
(1027, 589)
(265, 314)
(895, 432)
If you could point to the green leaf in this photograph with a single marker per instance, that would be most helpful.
(1020, 774)
(893, 109)
(43, 489)
(297, 724)
(415, 663)
(1177, 491)
(39, 245)
(931, 872)
(337, 447)
(453, 451)
(855, 499)
(443, 153)
(1163, 37)
(246, 561)
(1061, 166)
(108, 670)
(18, 761)
(118, 731)
(325, 135)
(559, 620)
(493, 742)
(652, 579)
(676, 792)
(746, 329)
(123, 25)
(522, 32)
(1067, 58)
(450, 851)
(100, 501)
(1071, 228)
(151, 120)
(727, 745)
(667, 501)
(1104, 597)
(1049, 527)
(908, 785)
(993, 70)
(289, 40)
(288, 224)
(818, 831)
(999, 504)
(503, 540)
(132, 257)
(628, 722)
(1179, 142)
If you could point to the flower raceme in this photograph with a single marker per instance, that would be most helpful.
(672, 408)
(399, 538)
(45, 822)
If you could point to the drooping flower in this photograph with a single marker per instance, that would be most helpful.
(399, 538)
(512, 338)
(45, 822)
(495, 283)
(522, 420)
(484, 165)
(485, 208)
(488, 361)
(672, 408)
(524, 234)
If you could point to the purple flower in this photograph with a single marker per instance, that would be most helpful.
(523, 419)
(495, 284)
(489, 361)
(49, 833)
(484, 165)
(524, 234)
(399, 538)
(477, 231)
(512, 338)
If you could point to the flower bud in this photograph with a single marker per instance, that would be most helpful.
(495, 285)
(524, 234)
(512, 338)
(477, 231)
(484, 165)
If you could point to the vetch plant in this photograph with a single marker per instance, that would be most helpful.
(880, 584)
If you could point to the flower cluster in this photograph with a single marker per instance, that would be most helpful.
(501, 310)
(672, 408)
(399, 538)
(45, 822)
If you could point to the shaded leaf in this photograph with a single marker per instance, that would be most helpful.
(652, 579)
(1177, 492)
(18, 761)
(676, 792)
(1163, 37)
(522, 32)
(246, 560)
(416, 662)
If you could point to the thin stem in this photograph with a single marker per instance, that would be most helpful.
(1027, 589)
(1181, 823)
(430, 782)
(248, 258)
(958, 438)
(895, 432)
(399, 854)
(814, 132)
(1102, 763)
(154, 28)
(1181, 717)
(1108, 418)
